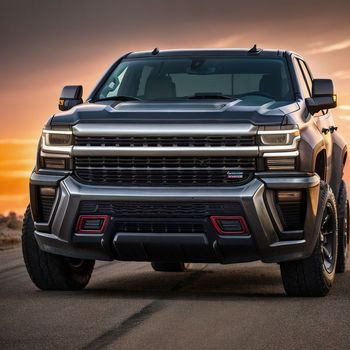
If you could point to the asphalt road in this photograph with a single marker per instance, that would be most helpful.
(128, 306)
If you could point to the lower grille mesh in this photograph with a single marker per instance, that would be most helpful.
(160, 217)
(161, 227)
(159, 209)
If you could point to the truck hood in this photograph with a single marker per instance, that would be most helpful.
(257, 110)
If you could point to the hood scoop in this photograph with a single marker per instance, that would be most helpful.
(171, 106)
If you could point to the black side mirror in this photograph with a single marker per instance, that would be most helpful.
(71, 96)
(323, 96)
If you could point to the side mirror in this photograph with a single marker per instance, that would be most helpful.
(323, 96)
(71, 96)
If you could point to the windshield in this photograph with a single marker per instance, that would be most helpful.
(159, 78)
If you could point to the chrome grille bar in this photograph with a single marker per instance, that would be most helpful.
(164, 151)
(164, 129)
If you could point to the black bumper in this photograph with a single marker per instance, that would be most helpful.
(266, 239)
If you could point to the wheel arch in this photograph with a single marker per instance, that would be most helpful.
(339, 159)
(320, 164)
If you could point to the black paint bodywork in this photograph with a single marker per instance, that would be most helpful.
(318, 153)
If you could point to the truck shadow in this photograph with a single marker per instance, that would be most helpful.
(227, 283)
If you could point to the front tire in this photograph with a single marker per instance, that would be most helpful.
(49, 271)
(343, 228)
(314, 276)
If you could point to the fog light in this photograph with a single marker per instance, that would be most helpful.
(92, 223)
(229, 225)
(54, 163)
(280, 163)
(48, 191)
(289, 196)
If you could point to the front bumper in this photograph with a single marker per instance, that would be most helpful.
(256, 199)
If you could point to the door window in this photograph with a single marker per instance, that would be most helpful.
(305, 89)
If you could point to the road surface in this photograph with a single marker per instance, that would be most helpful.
(129, 306)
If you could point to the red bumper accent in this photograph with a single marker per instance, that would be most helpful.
(82, 221)
(244, 227)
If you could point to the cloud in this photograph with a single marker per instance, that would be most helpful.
(341, 45)
(316, 44)
(11, 162)
(228, 41)
(342, 74)
(18, 141)
(12, 197)
(18, 174)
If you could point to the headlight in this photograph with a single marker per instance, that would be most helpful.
(278, 136)
(276, 139)
(57, 138)
(55, 152)
(279, 146)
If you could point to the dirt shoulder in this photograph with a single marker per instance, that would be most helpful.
(9, 237)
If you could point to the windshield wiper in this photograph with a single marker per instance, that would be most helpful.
(213, 96)
(118, 98)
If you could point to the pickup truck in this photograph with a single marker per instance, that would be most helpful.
(192, 156)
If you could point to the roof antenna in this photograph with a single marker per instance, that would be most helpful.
(254, 49)
(155, 51)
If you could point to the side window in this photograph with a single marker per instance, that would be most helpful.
(307, 74)
(306, 92)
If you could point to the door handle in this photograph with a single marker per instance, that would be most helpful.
(333, 128)
(325, 131)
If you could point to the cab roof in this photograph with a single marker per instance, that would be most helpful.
(207, 52)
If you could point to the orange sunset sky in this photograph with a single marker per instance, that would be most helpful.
(47, 44)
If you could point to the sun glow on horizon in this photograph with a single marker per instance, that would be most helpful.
(344, 107)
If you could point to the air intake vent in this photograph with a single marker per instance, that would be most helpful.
(293, 215)
(161, 227)
(46, 198)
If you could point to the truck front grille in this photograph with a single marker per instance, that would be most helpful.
(197, 171)
(166, 141)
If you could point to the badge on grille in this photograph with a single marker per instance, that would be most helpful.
(234, 175)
